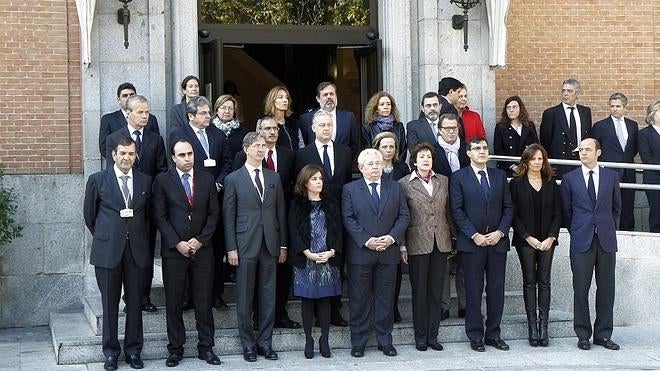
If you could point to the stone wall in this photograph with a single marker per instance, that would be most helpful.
(43, 271)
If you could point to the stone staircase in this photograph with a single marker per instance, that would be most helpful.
(77, 335)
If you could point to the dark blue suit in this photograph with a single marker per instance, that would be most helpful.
(649, 151)
(593, 246)
(347, 129)
(605, 133)
(114, 121)
(474, 214)
(371, 274)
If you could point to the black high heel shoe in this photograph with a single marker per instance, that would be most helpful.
(324, 347)
(309, 348)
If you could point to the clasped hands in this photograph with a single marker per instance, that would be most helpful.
(189, 248)
(379, 243)
(489, 239)
(544, 245)
(319, 257)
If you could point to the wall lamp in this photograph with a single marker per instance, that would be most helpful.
(124, 17)
(461, 21)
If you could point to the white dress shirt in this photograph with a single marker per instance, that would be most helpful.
(596, 176)
(190, 180)
(250, 170)
(118, 175)
(578, 121)
(331, 153)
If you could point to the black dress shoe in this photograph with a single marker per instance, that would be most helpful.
(110, 363)
(268, 353)
(461, 313)
(421, 347)
(477, 346)
(584, 344)
(444, 314)
(497, 344)
(134, 361)
(286, 323)
(607, 343)
(357, 352)
(436, 346)
(337, 320)
(210, 357)
(218, 303)
(173, 360)
(149, 307)
(249, 354)
(388, 350)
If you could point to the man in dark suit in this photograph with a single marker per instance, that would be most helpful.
(150, 160)
(345, 126)
(254, 215)
(336, 159)
(448, 95)
(617, 136)
(115, 211)
(375, 215)
(482, 210)
(185, 207)
(591, 201)
(279, 159)
(116, 120)
(562, 128)
(425, 129)
(208, 143)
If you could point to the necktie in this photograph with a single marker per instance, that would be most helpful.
(434, 128)
(203, 141)
(257, 180)
(186, 186)
(619, 126)
(573, 126)
(591, 188)
(138, 141)
(484, 185)
(125, 190)
(374, 195)
(269, 160)
(326, 162)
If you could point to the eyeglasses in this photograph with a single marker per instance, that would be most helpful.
(229, 109)
(450, 129)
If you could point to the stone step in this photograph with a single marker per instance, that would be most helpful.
(75, 342)
(226, 319)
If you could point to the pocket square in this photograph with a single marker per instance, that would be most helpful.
(271, 185)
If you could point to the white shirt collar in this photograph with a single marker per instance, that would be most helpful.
(181, 172)
(413, 175)
(251, 168)
(119, 173)
(320, 145)
(586, 170)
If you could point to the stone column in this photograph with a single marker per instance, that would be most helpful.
(185, 54)
(397, 59)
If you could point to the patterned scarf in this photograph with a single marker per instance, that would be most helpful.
(226, 127)
(385, 123)
(426, 179)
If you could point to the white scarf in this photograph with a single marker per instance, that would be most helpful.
(452, 152)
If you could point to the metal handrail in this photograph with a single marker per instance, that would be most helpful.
(614, 165)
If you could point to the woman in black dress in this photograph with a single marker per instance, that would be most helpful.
(277, 104)
(536, 222)
(513, 133)
(315, 229)
(381, 115)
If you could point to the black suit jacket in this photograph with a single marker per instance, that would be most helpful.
(554, 133)
(441, 163)
(649, 151)
(177, 117)
(347, 129)
(114, 121)
(284, 167)
(419, 131)
(216, 140)
(343, 166)
(507, 142)
(369, 132)
(523, 210)
(151, 159)
(103, 202)
(177, 219)
(611, 150)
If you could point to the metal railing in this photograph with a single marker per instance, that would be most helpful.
(611, 165)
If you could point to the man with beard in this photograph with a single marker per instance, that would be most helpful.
(344, 123)
(425, 129)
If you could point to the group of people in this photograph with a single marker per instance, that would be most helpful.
(279, 205)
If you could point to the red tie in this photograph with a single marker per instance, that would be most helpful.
(269, 161)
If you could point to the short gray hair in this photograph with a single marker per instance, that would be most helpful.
(574, 83)
(195, 102)
(320, 113)
(262, 120)
(362, 157)
(619, 96)
(250, 138)
(134, 100)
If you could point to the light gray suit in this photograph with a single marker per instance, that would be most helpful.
(257, 231)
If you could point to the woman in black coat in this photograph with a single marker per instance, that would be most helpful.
(381, 115)
(536, 222)
(226, 119)
(513, 133)
(315, 230)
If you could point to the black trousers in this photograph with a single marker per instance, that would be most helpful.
(488, 263)
(536, 268)
(149, 271)
(175, 274)
(371, 293)
(427, 275)
(654, 210)
(627, 217)
(459, 280)
(583, 266)
(110, 283)
(246, 281)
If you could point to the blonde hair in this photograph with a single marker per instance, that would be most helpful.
(269, 101)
